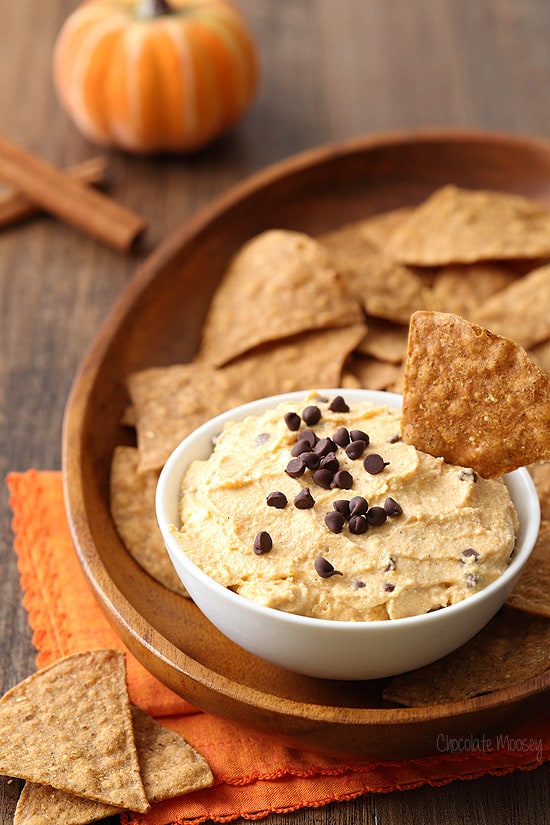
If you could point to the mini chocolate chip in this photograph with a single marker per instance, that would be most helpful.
(323, 478)
(262, 543)
(338, 405)
(325, 446)
(392, 508)
(311, 460)
(343, 480)
(341, 505)
(357, 584)
(276, 499)
(394, 439)
(325, 569)
(359, 435)
(470, 553)
(330, 462)
(358, 506)
(341, 437)
(296, 467)
(300, 447)
(389, 587)
(311, 415)
(261, 438)
(391, 565)
(309, 437)
(355, 449)
(465, 474)
(472, 580)
(293, 421)
(304, 500)
(374, 463)
(334, 521)
(357, 525)
(376, 516)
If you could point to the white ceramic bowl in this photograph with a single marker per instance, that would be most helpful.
(321, 647)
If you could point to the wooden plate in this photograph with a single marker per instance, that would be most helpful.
(156, 322)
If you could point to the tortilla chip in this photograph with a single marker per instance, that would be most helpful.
(302, 362)
(520, 312)
(279, 284)
(170, 402)
(532, 593)
(540, 473)
(347, 245)
(132, 498)
(512, 648)
(372, 374)
(541, 355)
(170, 767)
(472, 397)
(456, 225)
(378, 228)
(385, 288)
(385, 341)
(463, 289)
(69, 725)
(43, 805)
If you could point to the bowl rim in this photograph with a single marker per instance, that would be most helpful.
(173, 468)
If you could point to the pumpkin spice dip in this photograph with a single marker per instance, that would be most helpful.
(323, 510)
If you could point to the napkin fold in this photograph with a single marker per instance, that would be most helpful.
(254, 775)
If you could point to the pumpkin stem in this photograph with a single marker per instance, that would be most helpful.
(153, 8)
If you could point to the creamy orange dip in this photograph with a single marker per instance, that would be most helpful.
(338, 518)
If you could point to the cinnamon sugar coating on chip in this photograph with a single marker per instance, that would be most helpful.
(456, 225)
(279, 284)
(472, 397)
(69, 725)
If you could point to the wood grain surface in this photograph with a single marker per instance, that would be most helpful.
(331, 71)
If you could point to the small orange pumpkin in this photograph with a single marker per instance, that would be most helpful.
(155, 76)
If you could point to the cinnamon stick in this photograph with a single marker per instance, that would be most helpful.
(89, 210)
(15, 207)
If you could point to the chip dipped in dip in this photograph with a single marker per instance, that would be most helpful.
(322, 510)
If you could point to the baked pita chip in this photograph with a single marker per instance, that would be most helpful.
(385, 341)
(541, 355)
(279, 284)
(132, 500)
(172, 401)
(540, 473)
(386, 289)
(513, 647)
(305, 361)
(520, 312)
(378, 228)
(69, 725)
(456, 225)
(169, 765)
(464, 288)
(472, 397)
(532, 593)
(372, 374)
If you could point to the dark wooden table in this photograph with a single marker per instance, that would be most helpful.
(330, 71)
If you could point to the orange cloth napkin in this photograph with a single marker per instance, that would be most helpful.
(255, 776)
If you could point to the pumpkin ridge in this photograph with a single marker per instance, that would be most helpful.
(171, 82)
(78, 96)
(189, 113)
(243, 85)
